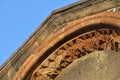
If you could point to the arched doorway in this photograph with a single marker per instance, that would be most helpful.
(79, 38)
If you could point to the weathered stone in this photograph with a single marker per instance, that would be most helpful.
(33, 61)
(99, 65)
(101, 39)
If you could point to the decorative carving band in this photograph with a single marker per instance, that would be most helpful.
(99, 39)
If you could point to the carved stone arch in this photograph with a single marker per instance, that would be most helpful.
(98, 65)
(79, 37)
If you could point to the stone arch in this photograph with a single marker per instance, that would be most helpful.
(98, 65)
(105, 21)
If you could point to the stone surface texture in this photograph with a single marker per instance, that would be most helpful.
(60, 27)
(82, 45)
(99, 65)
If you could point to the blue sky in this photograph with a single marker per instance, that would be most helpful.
(19, 18)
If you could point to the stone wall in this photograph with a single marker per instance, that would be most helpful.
(54, 23)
